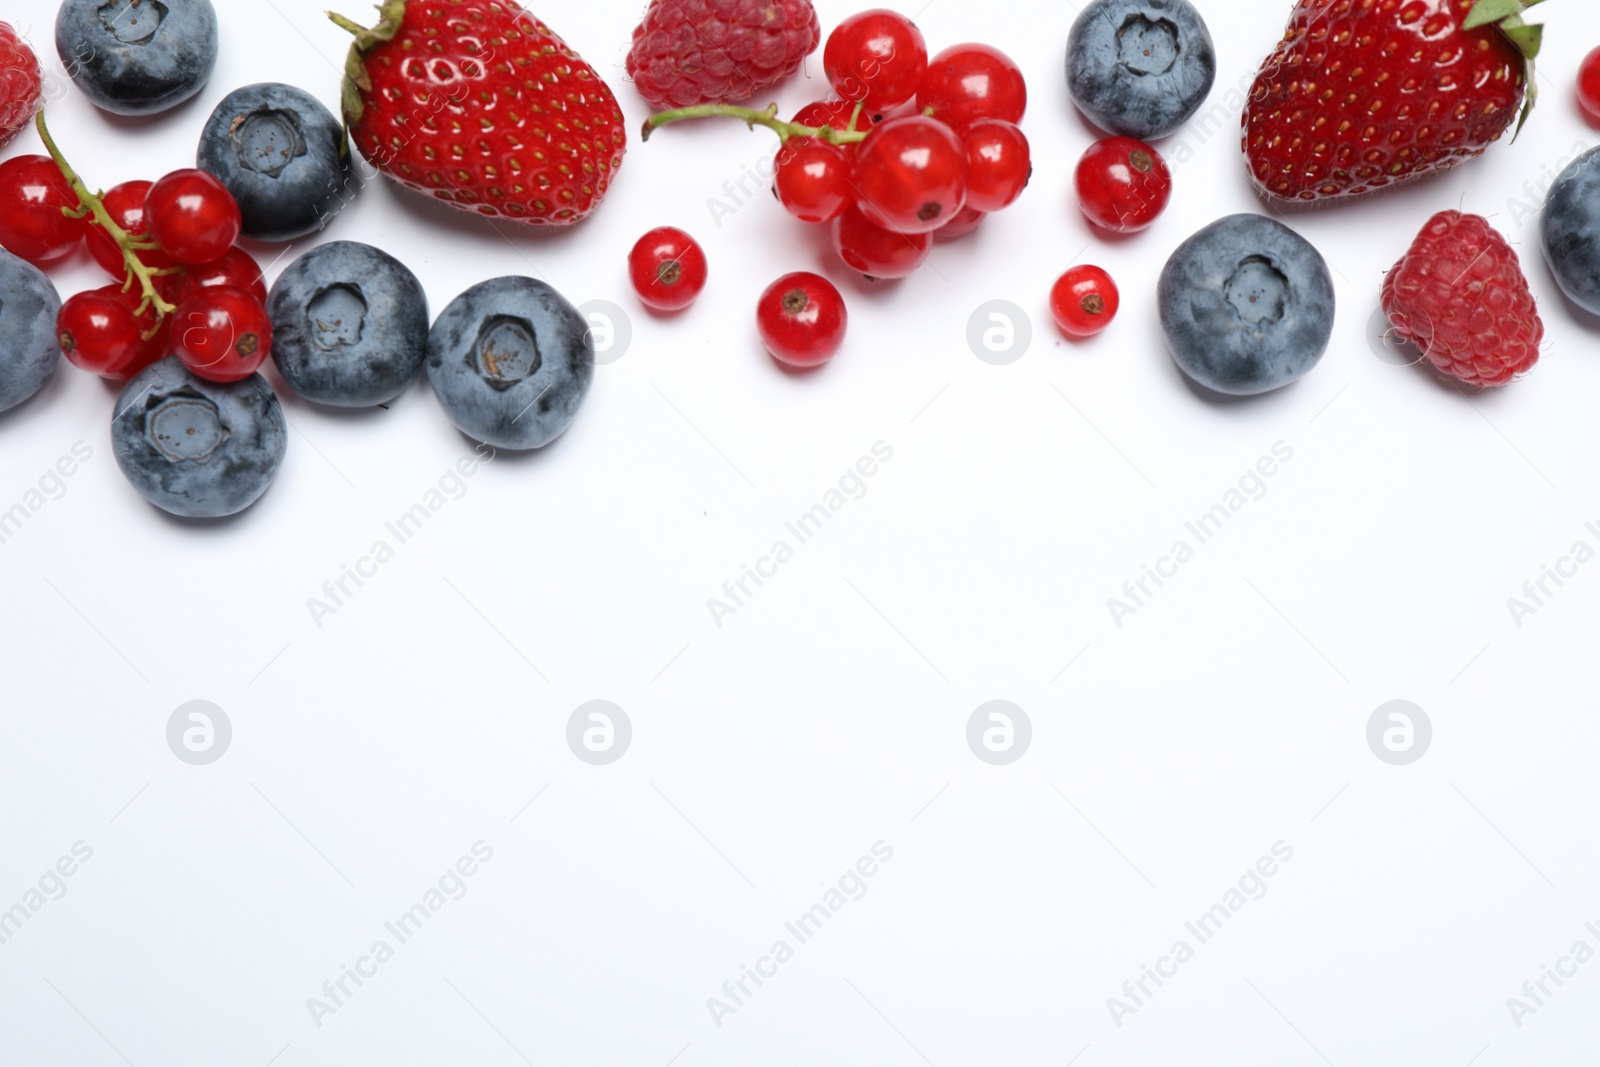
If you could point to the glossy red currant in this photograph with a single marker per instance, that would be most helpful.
(878, 56)
(667, 268)
(835, 113)
(961, 225)
(874, 251)
(125, 204)
(221, 333)
(973, 81)
(812, 179)
(32, 196)
(802, 319)
(998, 164)
(910, 175)
(236, 267)
(1083, 301)
(1589, 87)
(1123, 184)
(192, 216)
(100, 332)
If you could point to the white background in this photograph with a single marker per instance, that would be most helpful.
(830, 712)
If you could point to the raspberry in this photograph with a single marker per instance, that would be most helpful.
(20, 91)
(1460, 296)
(689, 52)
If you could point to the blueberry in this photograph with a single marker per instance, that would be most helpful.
(1140, 68)
(283, 157)
(1247, 305)
(349, 325)
(137, 57)
(29, 350)
(510, 359)
(1571, 231)
(197, 448)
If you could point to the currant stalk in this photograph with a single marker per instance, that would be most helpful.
(92, 204)
(752, 118)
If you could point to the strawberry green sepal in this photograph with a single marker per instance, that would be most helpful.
(1507, 15)
(391, 13)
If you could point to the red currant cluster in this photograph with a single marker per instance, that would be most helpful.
(911, 148)
(180, 285)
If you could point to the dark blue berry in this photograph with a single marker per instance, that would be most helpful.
(510, 360)
(1247, 305)
(197, 448)
(282, 155)
(1571, 230)
(349, 325)
(29, 350)
(1140, 68)
(137, 57)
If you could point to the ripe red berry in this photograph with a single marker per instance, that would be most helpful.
(973, 81)
(1083, 301)
(668, 269)
(910, 174)
(878, 56)
(236, 267)
(875, 251)
(125, 204)
(32, 195)
(835, 113)
(21, 90)
(961, 225)
(1589, 87)
(812, 179)
(100, 332)
(998, 164)
(222, 333)
(802, 319)
(192, 216)
(1123, 184)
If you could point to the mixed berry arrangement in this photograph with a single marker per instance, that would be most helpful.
(482, 106)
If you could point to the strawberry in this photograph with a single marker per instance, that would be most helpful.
(1362, 94)
(479, 104)
(1460, 296)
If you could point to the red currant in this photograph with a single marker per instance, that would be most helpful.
(910, 175)
(668, 269)
(875, 251)
(1123, 184)
(1589, 87)
(878, 56)
(236, 267)
(192, 216)
(1083, 301)
(835, 113)
(961, 225)
(32, 194)
(100, 332)
(973, 81)
(802, 319)
(998, 164)
(222, 333)
(125, 204)
(813, 180)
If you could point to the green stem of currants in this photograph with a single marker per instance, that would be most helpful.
(753, 118)
(92, 205)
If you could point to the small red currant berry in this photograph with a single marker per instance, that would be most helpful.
(973, 81)
(813, 180)
(192, 216)
(961, 225)
(802, 319)
(1589, 87)
(998, 164)
(877, 252)
(99, 333)
(237, 267)
(1083, 301)
(222, 333)
(32, 195)
(878, 56)
(668, 269)
(910, 175)
(125, 204)
(1123, 184)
